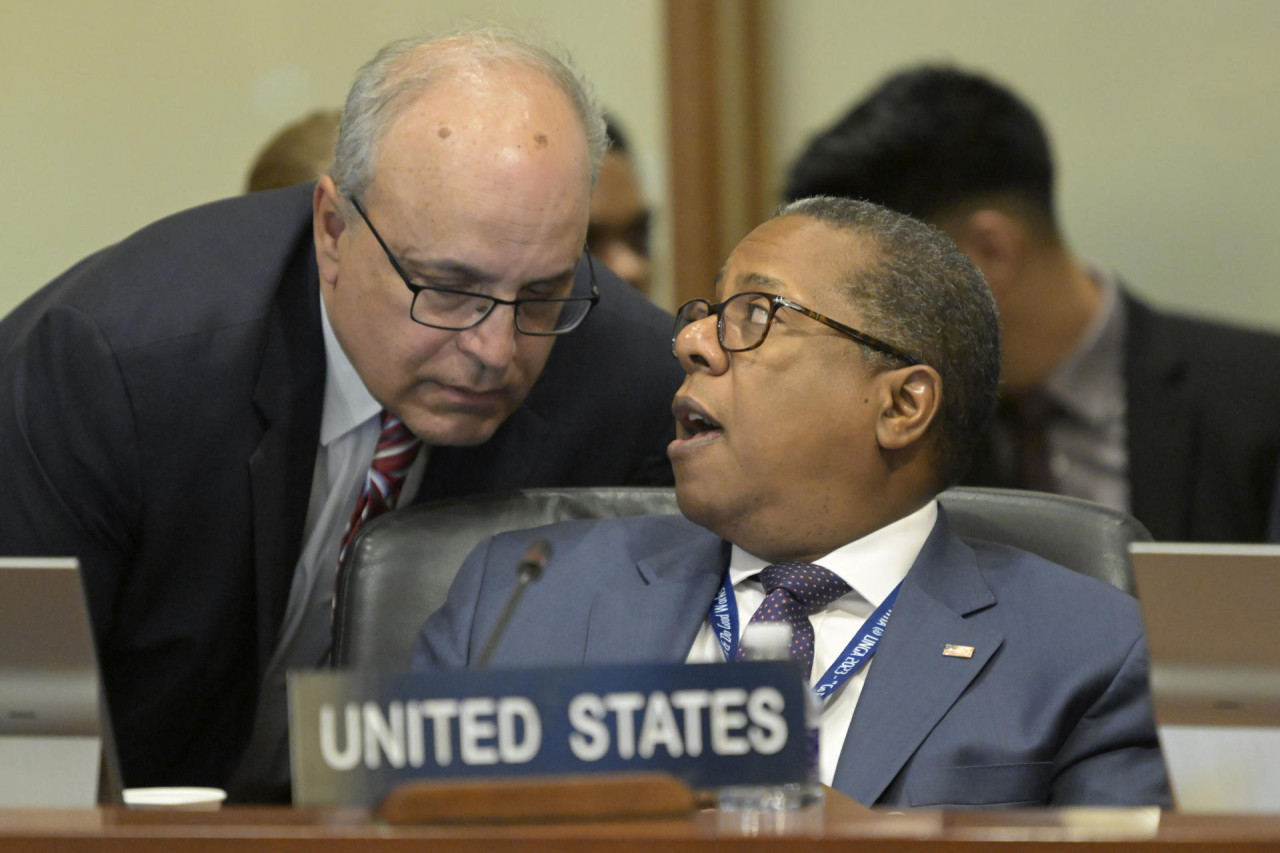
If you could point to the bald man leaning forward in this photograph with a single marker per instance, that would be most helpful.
(193, 412)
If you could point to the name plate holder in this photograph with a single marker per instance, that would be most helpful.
(616, 742)
(534, 799)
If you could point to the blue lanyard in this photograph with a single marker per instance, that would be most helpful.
(724, 622)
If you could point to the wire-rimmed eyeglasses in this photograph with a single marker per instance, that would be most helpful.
(456, 310)
(744, 319)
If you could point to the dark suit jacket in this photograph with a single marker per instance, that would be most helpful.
(159, 417)
(1204, 427)
(1053, 707)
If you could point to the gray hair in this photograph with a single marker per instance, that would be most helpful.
(921, 294)
(389, 82)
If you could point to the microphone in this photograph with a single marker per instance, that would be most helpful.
(528, 570)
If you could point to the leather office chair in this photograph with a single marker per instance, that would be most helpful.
(1088, 537)
(399, 568)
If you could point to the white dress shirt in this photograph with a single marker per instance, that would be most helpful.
(872, 566)
(349, 429)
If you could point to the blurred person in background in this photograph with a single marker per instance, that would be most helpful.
(1104, 397)
(618, 233)
(298, 154)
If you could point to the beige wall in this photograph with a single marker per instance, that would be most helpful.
(1163, 114)
(113, 114)
(1163, 111)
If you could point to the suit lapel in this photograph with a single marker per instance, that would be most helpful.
(911, 685)
(1163, 447)
(289, 397)
(657, 617)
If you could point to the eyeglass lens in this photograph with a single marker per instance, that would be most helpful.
(743, 321)
(463, 310)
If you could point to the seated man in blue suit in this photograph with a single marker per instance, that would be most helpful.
(840, 383)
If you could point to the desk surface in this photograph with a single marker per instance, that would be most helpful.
(840, 824)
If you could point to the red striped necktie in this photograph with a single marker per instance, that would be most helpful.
(397, 448)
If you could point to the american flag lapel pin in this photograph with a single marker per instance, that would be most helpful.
(950, 650)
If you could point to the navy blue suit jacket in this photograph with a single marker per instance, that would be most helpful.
(160, 409)
(1052, 709)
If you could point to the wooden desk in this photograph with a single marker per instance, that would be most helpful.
(841, 825)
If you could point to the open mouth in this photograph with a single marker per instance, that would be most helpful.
(693, 422)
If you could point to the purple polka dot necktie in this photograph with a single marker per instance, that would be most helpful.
(397, 448)
(793, 591)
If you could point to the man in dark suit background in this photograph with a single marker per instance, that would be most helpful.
(1105, 397)
(193, 412)
(838, 386)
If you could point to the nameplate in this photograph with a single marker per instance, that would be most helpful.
(355, 736)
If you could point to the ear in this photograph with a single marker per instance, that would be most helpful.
(996, 243)
(328, 227)
(913, 398)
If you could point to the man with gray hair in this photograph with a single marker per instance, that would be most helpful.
(839, 384)
(206, 413)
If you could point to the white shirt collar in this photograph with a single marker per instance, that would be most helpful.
(872, 565)
(347, 403)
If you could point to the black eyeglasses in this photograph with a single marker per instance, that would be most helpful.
(743, 320)
(456, 310)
